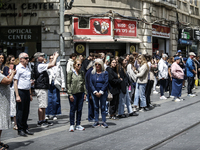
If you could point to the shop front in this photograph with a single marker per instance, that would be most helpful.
(185, 42)
(161, 37)
(116, 36)
(17, 39)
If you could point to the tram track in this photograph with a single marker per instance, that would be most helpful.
(154, 146)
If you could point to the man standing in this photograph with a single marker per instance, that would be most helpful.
(86, 62)
(42, 85)
(70, 62)
(22, 85)
(163, 74)
(190, 70)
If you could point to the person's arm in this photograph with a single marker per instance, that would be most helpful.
(190, 66)
(142, 72)
(94, 91)
(9, 80)
(18, 99)
(53, 63)
(169, 71)
(62, 78)
(105, 85)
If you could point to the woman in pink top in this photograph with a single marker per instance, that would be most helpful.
(177, 79)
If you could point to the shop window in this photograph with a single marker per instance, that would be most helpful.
(84, 23)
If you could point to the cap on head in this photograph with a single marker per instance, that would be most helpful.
(179, 51)
(184, 59)
(177, 58)
(38, 54)
(192, 54)
(164, 55)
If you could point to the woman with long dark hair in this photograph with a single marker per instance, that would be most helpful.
(114, 81)
(2, 61)
(124, 97)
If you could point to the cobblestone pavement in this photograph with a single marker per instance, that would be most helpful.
(173, 125)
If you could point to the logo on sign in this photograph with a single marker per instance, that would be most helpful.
(132, 48)
(131, 26)
(101, 27)
(80, 48)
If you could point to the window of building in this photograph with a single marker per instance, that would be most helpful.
(84, 22)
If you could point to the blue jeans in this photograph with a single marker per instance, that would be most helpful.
(140, 93)
(124, 99)
(76, 106)
(90, 108)
(102, 101)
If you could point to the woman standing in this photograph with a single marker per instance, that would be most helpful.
(77, 94)
(2, 62)
(99, 84)
(142, 78)
(5, 122)
(124, 97)
(6, 71)
(114, 81)
(177, 79)
(56, 81)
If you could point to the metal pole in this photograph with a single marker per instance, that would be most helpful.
(62, 44)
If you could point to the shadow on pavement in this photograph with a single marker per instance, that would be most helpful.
(15, 145)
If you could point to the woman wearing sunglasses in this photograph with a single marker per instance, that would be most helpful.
(99, 84)
(77, 94)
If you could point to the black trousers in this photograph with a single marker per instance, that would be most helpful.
(170, 86)
(190, 84)
(114, 104)
(149, 87)
(22, 109)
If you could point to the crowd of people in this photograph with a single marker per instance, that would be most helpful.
(109, 83)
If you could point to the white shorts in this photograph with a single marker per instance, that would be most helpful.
(42, 97)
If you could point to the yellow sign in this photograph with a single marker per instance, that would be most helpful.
(80, 48)
(132, 48)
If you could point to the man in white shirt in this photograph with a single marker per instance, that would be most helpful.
(22, 85)
(42, 85)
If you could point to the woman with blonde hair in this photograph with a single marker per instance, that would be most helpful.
(77, 94)
(99, 85)
(142, 79)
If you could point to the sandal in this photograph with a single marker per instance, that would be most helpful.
(15, 127)
(4, 145)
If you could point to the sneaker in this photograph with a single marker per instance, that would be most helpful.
(47, 117)
(49, 123)
(104, 125)
(171, 96)
(96, 124)
(42, 124)
(141, 110)
(163, 97)
(177, 100)
(71, 129)
(133, 114)
(155, 92)
(55, 118)
(166, 91)
(157, 87)
(191, 95)
(80, 128)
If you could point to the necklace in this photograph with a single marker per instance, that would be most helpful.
(98, 76)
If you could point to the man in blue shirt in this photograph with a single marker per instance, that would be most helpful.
(190, 69)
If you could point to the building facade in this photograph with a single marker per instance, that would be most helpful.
(112, 26)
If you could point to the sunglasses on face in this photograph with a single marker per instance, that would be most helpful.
(97, 64)
(50, 58)
(79, 65)
(25, 58)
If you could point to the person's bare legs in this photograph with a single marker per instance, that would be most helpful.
(41, 114)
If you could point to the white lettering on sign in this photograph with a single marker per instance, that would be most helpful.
(124, 30)
(22, 31)
(131, 26)
(118, 30)
(121, 25)
(19, 37)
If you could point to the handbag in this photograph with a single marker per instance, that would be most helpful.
(110, 96)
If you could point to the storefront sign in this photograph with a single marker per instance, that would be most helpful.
(80, 48)
(24, 6)
(125, 28)
(186, 42)
(97, 26)
(132, 48)
(21, 33)
(160, 31)
(196, 34)
(185, 34)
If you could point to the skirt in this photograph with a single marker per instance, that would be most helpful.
(176, 87)
(54, 107)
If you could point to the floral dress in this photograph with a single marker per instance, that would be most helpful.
(5, 121)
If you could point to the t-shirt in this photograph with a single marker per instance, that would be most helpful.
(42, 67)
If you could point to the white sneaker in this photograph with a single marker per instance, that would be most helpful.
(167, 92)
(141, 110)
(80, 128)
(55, 118)
(163, 97)
(157, 87)
(177, 100)
(171, 96)
(191, 95)
(155, 92)
(47, 117)
(71, 129)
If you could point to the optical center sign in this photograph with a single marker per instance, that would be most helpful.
(20, 34)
